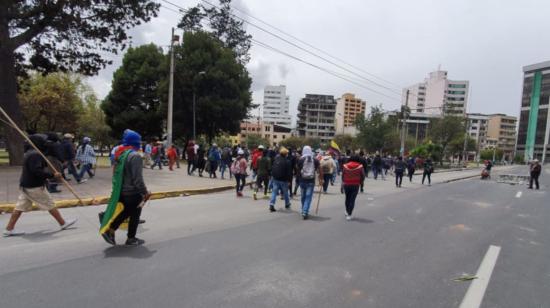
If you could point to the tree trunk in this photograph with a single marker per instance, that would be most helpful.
(10, 104)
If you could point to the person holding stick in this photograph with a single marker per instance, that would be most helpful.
(32, 185)
(129, 192)
(307, 167)
(353, 175)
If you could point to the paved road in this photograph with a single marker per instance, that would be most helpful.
(403, 250)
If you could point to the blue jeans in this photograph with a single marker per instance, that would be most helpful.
(85, 168)
(225, 166)
(279, 185)
(306, 190)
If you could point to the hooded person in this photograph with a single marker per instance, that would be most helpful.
(32, 188)
(281, 172)
(128, 193)
(353, 174)
(238, 168)
(307, 166)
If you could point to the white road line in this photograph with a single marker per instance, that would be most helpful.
(476, 291)
(518, 195)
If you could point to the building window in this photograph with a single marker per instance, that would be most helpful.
(458, 86)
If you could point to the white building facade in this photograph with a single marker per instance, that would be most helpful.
(478, 124)
(438, 95)
(276, 106)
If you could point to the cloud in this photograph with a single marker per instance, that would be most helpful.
(283, 70)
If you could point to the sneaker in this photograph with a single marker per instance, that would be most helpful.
(68, 223)
(287, 206)
(134, 242)
(255, 196)
(109, 237)
(305, 216)
(82, 181)
(272, 209)
(8, 233)
(348, 217)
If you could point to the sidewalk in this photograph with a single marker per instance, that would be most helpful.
(100, 185)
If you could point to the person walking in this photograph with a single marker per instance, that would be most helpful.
(377, 166)
(327, 167)
(32, 188)
(191, 157)
(281, 175)
(226, 162)
(129, 189)
(534, 173)
(172, 155)
(399, 169)
(201, 161)
(85, 156)
(147, 150)
(263, 174)
(353, 174)
(411, 168)
(256, 155)
(307, 167)
(428, 169)
(238, 168)
(54, 153)
(69, 156)
(214, 158)
(157, 156)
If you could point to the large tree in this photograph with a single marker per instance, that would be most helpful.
(221, 23)
(93, 124)
(52, 102)
(446, 129)
(376, 133)
(220, 83)
(134, 100)
(66, 35)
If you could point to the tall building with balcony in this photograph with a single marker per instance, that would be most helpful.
(534, 119)
(437, 95)
(502, 128)
(477, 128)
(316, 117)
(276, 106)
(348, 107)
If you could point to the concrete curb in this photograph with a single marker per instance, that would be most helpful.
(8, 207)
(461, 178)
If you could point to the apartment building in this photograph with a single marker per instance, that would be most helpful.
(276, 106)
(272, 132)
(477, 128)
(316, 117)
(502, 128)
(348, 107)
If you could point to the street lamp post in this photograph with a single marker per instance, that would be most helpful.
(171, 91)
(194, 108)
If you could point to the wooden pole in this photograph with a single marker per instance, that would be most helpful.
(319, 199)
(14, 125)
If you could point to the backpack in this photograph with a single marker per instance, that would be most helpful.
(326, 166)
(279, 168)
(308, 169)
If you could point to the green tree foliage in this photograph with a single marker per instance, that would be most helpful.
(222, 141)
(346, 142)
(134, 100)
(299, 142)
(69, 35)
(375, 132)
(221, 24)
(487, 154)
(447, 129)
(93, 123)
(223, 96)
(456, 146)
(52, 102)
(429, 149)
(252, 141)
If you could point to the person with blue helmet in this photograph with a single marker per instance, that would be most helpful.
(128, 193)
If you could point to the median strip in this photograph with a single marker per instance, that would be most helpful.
(476, 291)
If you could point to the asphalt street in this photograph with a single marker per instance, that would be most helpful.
(404, 248)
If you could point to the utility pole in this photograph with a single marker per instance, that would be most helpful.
(194, 119)
(405, 113)
(170, 93)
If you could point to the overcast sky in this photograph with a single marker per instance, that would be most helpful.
(484, 41)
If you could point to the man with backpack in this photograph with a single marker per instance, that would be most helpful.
(411, 167)
(377, 166)
(214, 158)
(157, 156)
(263, 174)
(282, 174)
(307, 166)
(238, 168)
(400, 167)
(226, 161)
(428, 169)
(327, 166)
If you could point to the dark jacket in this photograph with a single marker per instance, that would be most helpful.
(282, 169)
(264, 166)
(68, 150)
(400, 166)
(132, 181)
(35, 171)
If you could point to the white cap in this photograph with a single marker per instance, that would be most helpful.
(240, 152)
(261, 147)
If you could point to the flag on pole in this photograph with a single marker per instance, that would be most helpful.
(334, 148)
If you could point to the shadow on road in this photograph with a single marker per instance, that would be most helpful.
(39, 236)
(362, 220)
(137, 252)
(318, 218)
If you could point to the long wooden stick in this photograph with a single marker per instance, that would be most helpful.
(14, 125)
(319, 199)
